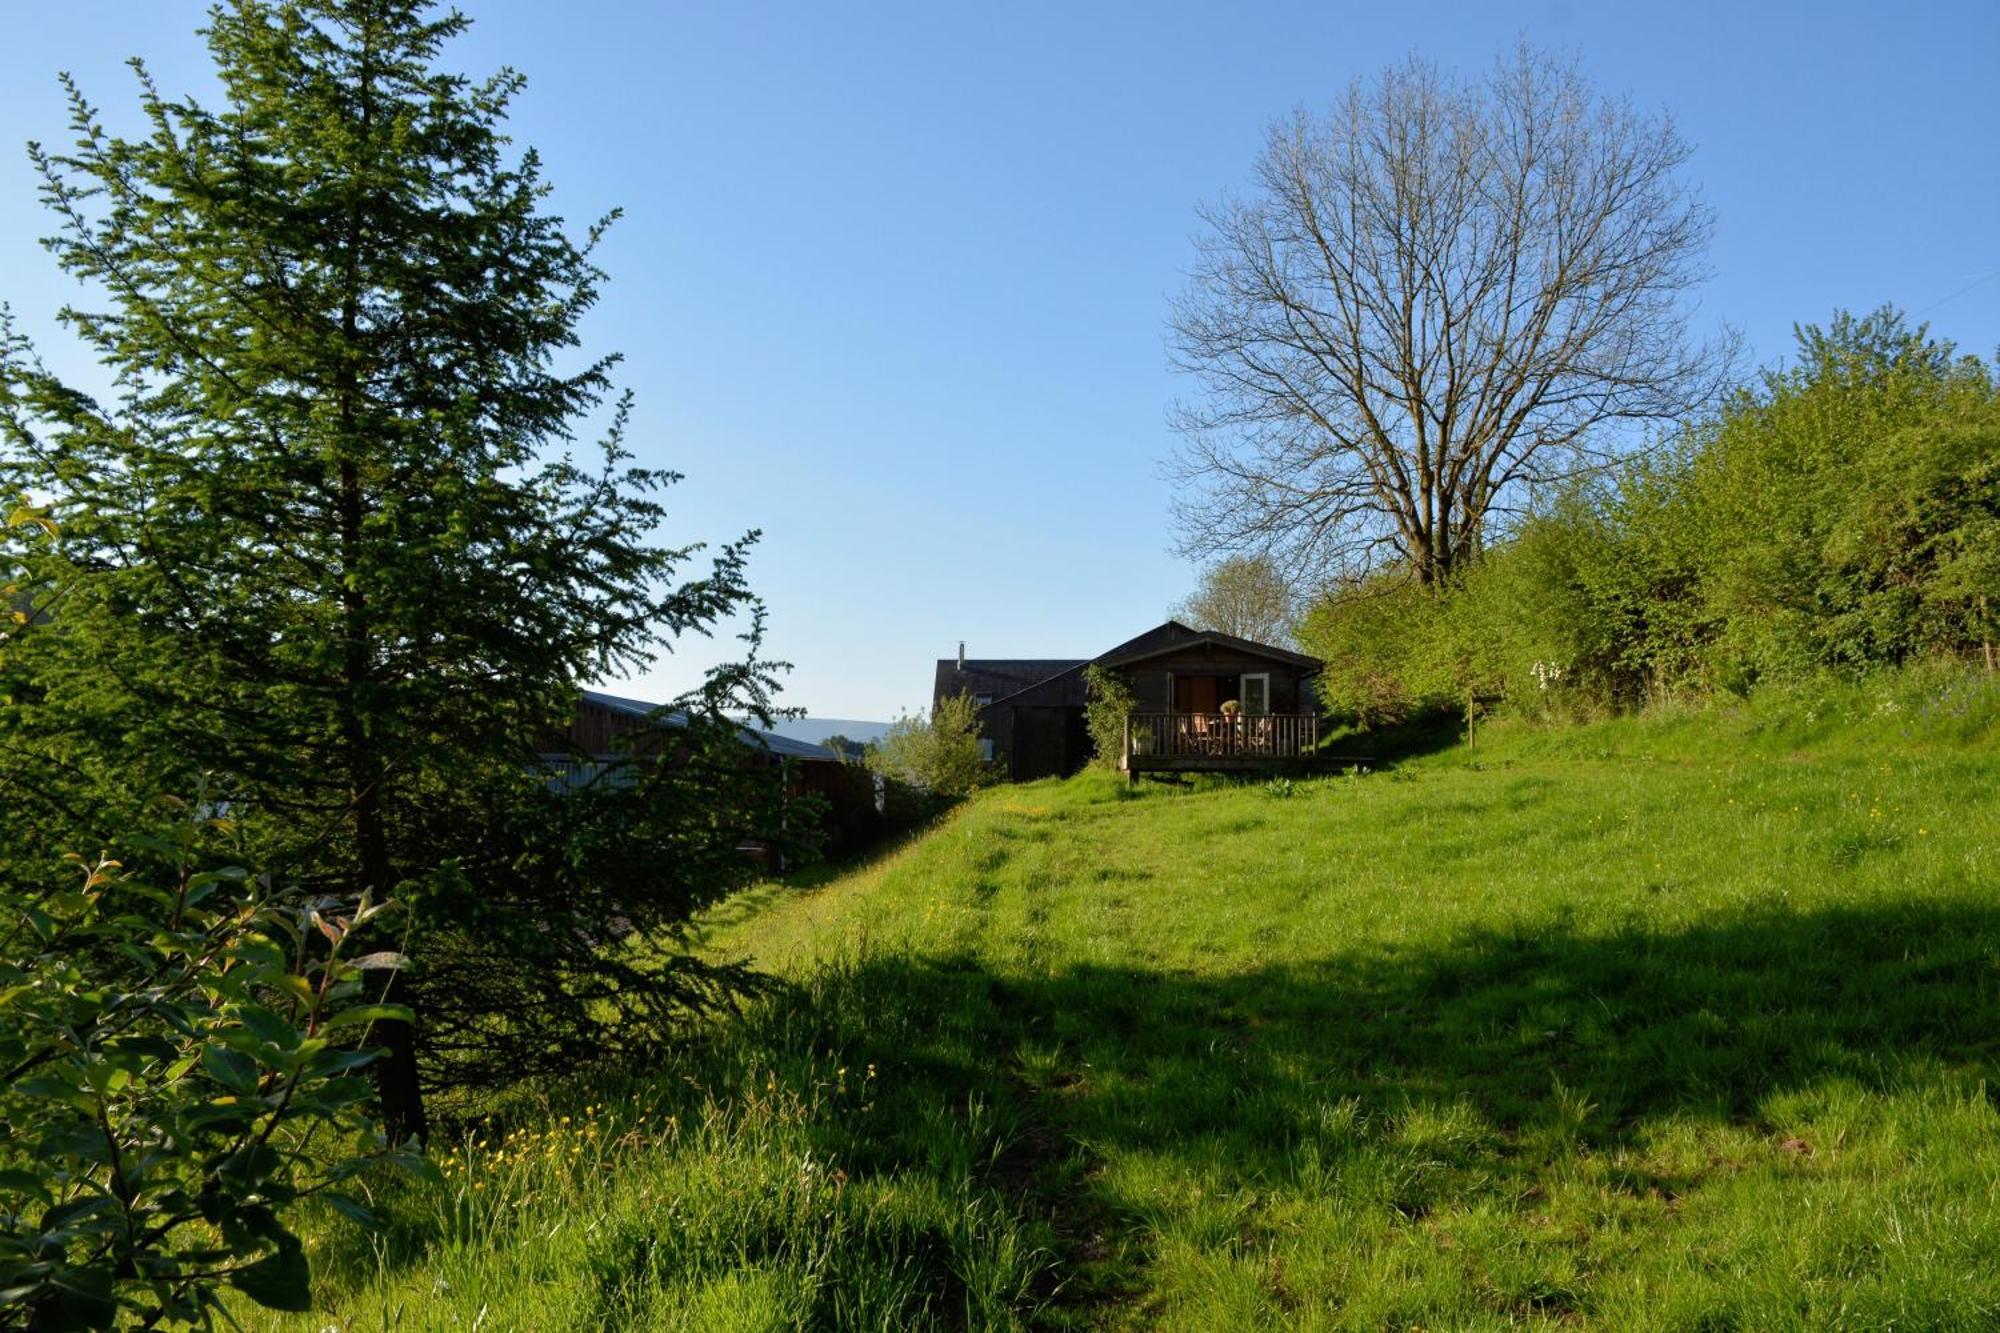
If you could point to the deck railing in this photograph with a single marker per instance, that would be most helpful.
(1221, 736)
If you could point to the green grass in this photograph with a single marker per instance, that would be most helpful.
(1683, 1022)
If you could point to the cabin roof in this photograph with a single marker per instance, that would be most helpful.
(1065, 687)
(997, 676)
(1174, 636)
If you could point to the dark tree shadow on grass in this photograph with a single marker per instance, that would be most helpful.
(1391, 743)
(1561, 1040)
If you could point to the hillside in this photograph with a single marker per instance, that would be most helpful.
(1661, 1023)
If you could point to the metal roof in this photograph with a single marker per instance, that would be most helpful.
(783, 746)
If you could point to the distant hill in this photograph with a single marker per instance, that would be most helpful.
(815, 730)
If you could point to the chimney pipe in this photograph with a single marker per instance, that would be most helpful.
(961, 654)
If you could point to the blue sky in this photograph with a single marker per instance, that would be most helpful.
(892, 279)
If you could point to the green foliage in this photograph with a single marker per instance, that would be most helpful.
(937, 754)
(330, 543)
(1842, 516)
(1385, 649)
(1247, 596)
(1108, 707)
(1851, 503)
(181, 1075)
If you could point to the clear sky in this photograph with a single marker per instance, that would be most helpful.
(892, 279)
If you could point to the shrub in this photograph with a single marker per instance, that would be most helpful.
(1386, 647)
(180, 1077)
(1109, 704)
(938, 754)
(1842, 516)
(1850, 505)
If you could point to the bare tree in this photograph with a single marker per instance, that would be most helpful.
(1441, 295)
(1245, 595)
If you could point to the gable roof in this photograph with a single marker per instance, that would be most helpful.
(1173, 636)
(1065, 687)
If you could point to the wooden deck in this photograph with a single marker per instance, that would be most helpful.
(1217, 742)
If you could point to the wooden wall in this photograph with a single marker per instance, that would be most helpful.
(1152, 692)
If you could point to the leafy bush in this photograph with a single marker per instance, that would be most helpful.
(938, 754)
(1842, 516)
(1387, 649)
(1109, 706)
(181, 1075)
(1852, 503)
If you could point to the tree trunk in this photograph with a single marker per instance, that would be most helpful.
(396, 1086)
(396, 1072)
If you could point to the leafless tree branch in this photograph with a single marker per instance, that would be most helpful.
(1439, 295)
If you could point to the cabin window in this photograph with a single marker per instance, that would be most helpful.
(1257, 694)
(981, 700)
(985, 750)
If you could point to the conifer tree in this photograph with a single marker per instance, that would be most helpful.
(329, 542)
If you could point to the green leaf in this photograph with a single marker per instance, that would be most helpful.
(267, 1026)
(330, 1063)
(370, 1013)
(353, 1208)
(415, 1163)
(25, 1182)
(229, 1069)
(56, 1090)
(84, 1301)
(281, 1281)
(63, 1214)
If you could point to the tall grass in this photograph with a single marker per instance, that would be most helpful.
(761, 1184)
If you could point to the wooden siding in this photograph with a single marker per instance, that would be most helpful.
(1038, 730)
(1048, 742)
(1152, 690)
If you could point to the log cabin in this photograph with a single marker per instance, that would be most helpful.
(1202, 701)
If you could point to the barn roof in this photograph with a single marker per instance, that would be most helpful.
(1059, 680)
(640, 710)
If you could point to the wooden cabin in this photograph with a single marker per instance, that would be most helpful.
(1202, 701)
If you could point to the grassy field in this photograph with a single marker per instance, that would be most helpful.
(1666, 1023)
